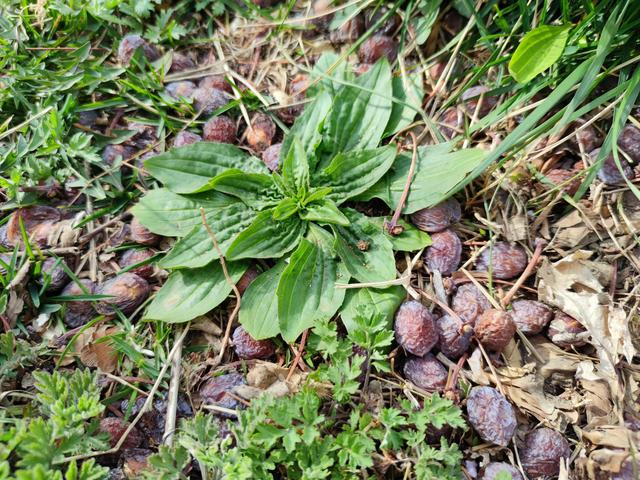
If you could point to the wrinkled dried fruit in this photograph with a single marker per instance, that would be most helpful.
(261, 132)
(469, 303)
(531, 316)
(444, 253)
(451, 122)
(186, 138)
(271, 156)
(247, 277)
(217, 82)
(349, 31)
(134, 256)
(55, 273)
(248, 348)
(145, 135)
(491, 415)
(609, 172)
(183, 88)
(115, 428)
(494, 329)
(88, 118)
(111, 153)
(589, 137)
(218, 390)
(77, 313)
(471, 99)
(135, 461)
(492, 470)
(566, 179)
(567, 332)
(438, 218)
(503, 260)
(130, 44)
(376, 47)
(38, 222)
(389, 26)
(220, 129)
(415, 328)
(426, 373)
(208, 100)
(141, 234)
(127, 292)
(180, 62)
(453, 338)
(629, 141)
(542, 451)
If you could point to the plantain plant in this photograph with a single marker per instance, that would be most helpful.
(297, 219)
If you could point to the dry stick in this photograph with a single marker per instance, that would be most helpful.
(391, 226)
(535, 258)
(298, 356)
(143, 410)
(227, 332)
(172, 396)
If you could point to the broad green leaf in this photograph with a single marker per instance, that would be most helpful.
(352, 173)
(255, 189)
(295, 169)
(187, 169)
(360, 112)
(267, 238)
(197, 249)
(538, 50)
(172, 215)
(438, 171)
(284, 209)
(364, 249)
(322, 238)
(308, 128)
(259, 308)
(408, 89)
(324, 211)
(329, 81)
(384, 302)
(410, 240)
(188, 294)
(306, 291)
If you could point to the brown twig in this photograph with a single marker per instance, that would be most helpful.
(303, 342)
(236, 309)
(391, 226)
(535, 258)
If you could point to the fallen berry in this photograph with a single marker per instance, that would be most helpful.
(444, 253)
(220, 129)
(503, 260)
(217, 82)
(629, 141)
(134, 256)
(271, 157)
(415, 328)
(141, 234)
(247, 348)
(111, 153)
(247, 278)
(135, 462)
(180, 62)
(491, 415)
(495, 329)
(184, 88)
(609, 173)
(208, 100)
(55, 274)
(542, 451)
(469, 303)
(186, 138)
(261, 132)
(426, 373)
(451, 122)
(349, 31)
(566, 332)
(388, 27)
(219, 391)
(438, 218)
(115, 427)
(588, 137)
(453, 338)
(38, 222)
(376, 47)
(491, 471)
(130, 44)
(565, 179)
(471, 99)
(530, 316)
(127, 292)
(77, 313)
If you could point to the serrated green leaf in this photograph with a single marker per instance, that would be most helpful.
(383, 302)
(324, 211)
(255, 189)
(172, 215)
(538, 50)
(188, 294)
(295, 169)
(187, 169)
(197, 249)
(306, 291)
(365, 251)
(408, 89)
(352, 173)
(360, 113)
(259, 309)
(410, 240)
(267, 238)
(437, 172)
